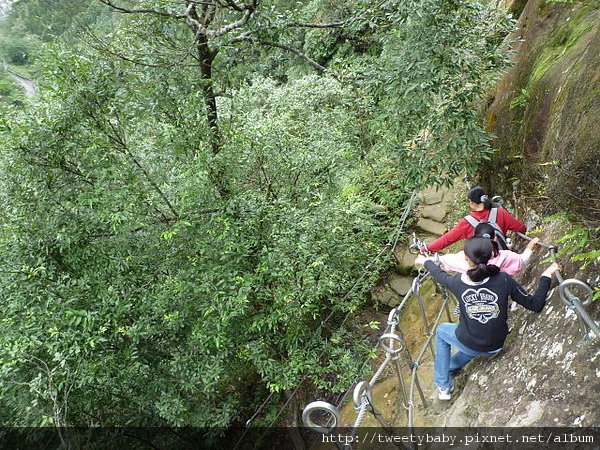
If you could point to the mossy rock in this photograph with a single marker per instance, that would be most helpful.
(545, 110)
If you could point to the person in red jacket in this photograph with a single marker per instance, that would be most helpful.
(480, 206)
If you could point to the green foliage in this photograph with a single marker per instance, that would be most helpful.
(31, 23)
(550, 2)
(16, 50)
(578, 243)
(434, 67)
(138, 290)
(178, 301)
(10, 94)
(48, 20)
(522, 99)
(576, 238)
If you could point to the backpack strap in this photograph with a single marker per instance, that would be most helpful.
(493, 216)
(501, 239)
(472, 221)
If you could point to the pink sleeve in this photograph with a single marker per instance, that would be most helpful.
(455, 262)
(508, 261)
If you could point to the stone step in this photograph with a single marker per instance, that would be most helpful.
(430, 226)
(433, 195)
(435, 212)
(382, 293)
(406, 260)
(401, 284)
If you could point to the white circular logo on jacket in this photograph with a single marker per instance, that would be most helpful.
(481, 304)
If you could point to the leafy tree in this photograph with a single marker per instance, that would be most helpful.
(15, 50)
(434, 67)
(184, 232)
(141, 283)
(9, 93)
(49, 19)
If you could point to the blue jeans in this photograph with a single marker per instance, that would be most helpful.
(444, 363)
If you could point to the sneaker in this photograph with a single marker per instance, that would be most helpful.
(445, 393)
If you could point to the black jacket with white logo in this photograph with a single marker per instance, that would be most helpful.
(484, 305)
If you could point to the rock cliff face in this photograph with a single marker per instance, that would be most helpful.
(545, 110)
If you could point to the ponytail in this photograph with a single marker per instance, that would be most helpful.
(482, 271)
(487, 203)
(480, 250)
(496, 249)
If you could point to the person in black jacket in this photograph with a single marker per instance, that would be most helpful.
(482, 295)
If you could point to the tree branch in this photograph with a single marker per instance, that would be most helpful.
(316, 25)
(119, 141)
(103, 47)
(67, 166)
(208, 15)
(296, 52)
(201, 30)
(234, 5)
(247, 37)
(135, 161)
(200, 25)
(123, 10)
(271, 194)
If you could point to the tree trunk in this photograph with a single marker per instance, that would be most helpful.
(206, 57)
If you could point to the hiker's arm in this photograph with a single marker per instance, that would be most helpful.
(454, 235)
(529, 250)
(454, 262)
(525, 255)
(441, 276)
(536, 301)
(513, 224)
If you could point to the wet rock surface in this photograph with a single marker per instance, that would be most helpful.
(544, 111)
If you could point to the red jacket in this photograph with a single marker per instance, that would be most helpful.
(463, 230)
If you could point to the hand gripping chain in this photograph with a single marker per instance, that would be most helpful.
(417, 244)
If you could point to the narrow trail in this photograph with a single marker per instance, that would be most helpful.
(27, 85)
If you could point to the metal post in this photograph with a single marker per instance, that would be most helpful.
(402, 385)
(446, 298)
(417, 290)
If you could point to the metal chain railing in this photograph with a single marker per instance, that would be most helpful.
(573, 301)
(394, 345)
